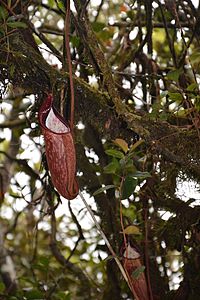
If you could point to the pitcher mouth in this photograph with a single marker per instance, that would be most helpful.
(51, 119)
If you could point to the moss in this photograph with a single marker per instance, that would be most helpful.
(107, 112)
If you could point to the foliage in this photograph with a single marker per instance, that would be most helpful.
(137, 111)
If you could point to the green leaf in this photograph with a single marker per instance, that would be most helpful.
(192, 87)
(61, 6)
(174, 75)
(98, 26)
(102, 189)
(131, 212)
(34, 294)
(2, 287)
(163, 116)
(181, 113)
(115, 153)
(51, 3)
(112, 167)
(12, 70)
(43, 260)
(175, 97)
(135, 145)
(16, 24)
(116, 179)
(3, 13)
(141, 175)
(64, 295)
(137, 272)
(197, 103)
(105, 34)
(132, 229)
(2, 31)
(128, 166)
(195, 56)
(128, 187)
(75, 41)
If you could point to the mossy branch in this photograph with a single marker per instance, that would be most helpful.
(100, 103)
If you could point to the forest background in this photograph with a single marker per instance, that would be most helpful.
(136, 67)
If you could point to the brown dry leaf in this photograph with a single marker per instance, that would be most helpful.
(122, 144)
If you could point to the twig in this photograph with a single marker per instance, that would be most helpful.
(149, 25)
(76, 221)
(47, 7)
(171, 46)
(50, 31)
(98, 10)
(13, 123)
(43, 38)
(23, 163)
(81, 237)
(154, 24)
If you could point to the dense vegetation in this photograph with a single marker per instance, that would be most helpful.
(136, 67)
